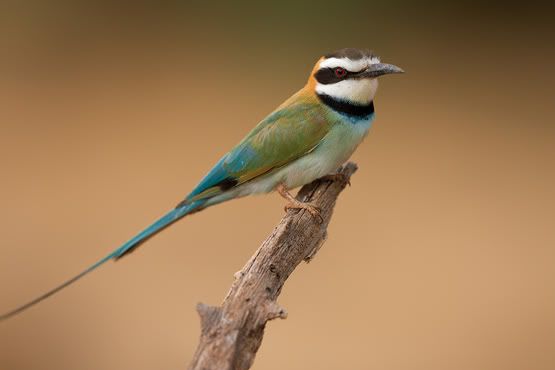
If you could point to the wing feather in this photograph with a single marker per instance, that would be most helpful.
(287, 134)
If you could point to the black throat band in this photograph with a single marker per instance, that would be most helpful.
(350, 109)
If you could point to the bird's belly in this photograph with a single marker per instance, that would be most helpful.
(334, 150)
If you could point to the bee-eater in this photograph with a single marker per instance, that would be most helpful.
(307, 137)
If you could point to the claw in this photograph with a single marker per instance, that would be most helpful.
(313, 210)
(293, 203)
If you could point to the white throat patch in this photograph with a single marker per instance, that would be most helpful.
(358, 91)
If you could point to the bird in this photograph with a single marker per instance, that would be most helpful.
(309, 136)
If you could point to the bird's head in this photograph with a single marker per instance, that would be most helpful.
(349, 75)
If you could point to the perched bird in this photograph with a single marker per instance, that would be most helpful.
(307, 137)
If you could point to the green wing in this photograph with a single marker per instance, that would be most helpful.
(287, 134)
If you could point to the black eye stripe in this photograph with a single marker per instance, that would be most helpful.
(327, 76)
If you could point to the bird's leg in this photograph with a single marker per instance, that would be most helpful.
(341, 177)
(293, 203)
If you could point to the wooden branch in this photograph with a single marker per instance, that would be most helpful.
(231, 334)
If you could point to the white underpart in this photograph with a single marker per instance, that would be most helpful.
(336, 148)
(359, 91)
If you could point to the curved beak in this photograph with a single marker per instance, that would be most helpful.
(379, 69)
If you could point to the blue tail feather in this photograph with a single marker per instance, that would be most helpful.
(163, 222)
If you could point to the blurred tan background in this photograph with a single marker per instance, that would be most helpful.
(440, 256)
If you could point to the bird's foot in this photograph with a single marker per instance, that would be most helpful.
(312, 209)
(293, 203)
(341, 177)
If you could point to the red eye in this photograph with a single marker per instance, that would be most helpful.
(340, 72)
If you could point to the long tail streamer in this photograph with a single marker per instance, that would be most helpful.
(165, 221)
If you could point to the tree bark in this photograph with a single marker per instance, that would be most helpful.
(231, 334)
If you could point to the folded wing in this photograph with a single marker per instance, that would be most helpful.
(289, 133)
